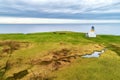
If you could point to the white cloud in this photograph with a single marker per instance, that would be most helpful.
(16, 20)
(64, 6)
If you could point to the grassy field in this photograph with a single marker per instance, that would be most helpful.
(56, 56)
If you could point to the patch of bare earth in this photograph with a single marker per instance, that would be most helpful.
(56, 59)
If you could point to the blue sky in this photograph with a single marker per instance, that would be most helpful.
(65, 9)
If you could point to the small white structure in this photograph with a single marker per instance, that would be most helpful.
(91, 33)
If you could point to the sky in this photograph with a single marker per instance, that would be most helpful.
(59, 11)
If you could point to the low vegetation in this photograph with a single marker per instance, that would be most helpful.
(57, 56)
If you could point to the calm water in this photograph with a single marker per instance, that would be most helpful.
(95, 54)
(31, 28)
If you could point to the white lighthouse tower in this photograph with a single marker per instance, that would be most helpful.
(92, 32)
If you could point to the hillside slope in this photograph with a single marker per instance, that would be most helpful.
(56, 56)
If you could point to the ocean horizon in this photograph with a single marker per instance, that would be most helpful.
(106, 28)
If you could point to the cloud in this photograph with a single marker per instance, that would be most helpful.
(60, 6)
(16, 20)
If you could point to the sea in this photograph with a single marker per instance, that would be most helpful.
(107, 29)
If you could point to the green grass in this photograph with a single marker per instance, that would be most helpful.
(107, 67)
(104, 68)
(46, 37)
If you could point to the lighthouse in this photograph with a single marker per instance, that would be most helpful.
(91, 33)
